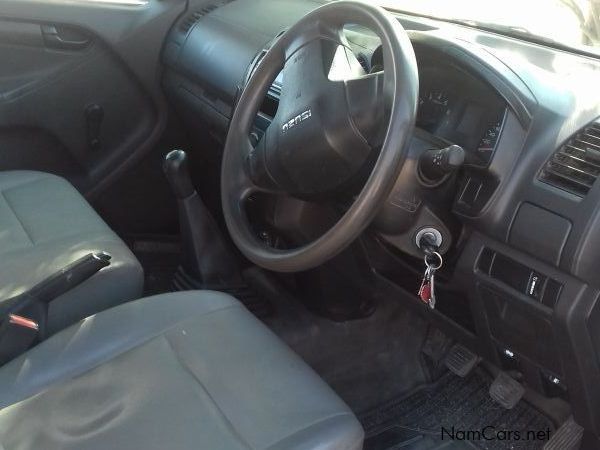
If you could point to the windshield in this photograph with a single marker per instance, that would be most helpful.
(572, 23)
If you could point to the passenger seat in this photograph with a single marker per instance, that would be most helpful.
(45, 225)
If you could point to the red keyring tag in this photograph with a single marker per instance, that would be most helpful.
(425, 292)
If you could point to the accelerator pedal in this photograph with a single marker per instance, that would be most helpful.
(567, 437)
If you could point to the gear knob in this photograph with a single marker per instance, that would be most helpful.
(175, 167)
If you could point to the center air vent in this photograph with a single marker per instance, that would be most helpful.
(576, 165)
(193, 18)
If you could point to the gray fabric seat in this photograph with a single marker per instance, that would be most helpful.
(183, 371)
(45, 224)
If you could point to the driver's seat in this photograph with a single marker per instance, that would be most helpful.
(183, 371)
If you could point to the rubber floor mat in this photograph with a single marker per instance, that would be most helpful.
(160, 259)
(455, 413)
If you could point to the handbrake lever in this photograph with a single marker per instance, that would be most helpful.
(18, 333)
(56, 285)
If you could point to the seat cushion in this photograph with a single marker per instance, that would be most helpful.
(45, 224)
(184, 371)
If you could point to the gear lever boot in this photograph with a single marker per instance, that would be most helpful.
(207, 261)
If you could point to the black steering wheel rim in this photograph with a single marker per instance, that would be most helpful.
(401, 89)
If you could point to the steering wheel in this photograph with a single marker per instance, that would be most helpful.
(328, 126)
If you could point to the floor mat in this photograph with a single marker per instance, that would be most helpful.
(454, 413)
(160, 259)
(365, 361)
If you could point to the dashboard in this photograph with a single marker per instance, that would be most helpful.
(523, 207)
(510, 104)
(456, 106)
(460, 109)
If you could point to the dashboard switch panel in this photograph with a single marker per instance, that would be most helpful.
(532, 283)
(551, 293)
(511, 273)
(484, 264)
(535, 285)
(520, 327)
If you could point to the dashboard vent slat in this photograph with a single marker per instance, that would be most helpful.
(576, 165)
(595, 129)
(590, 136)
(577, 160)
(568, 180)
(584, 142)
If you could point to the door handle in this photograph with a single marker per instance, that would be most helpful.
(65, 38)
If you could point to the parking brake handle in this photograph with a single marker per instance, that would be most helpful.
(57, 284)
(18, 332)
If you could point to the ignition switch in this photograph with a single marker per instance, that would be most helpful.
(429, 240)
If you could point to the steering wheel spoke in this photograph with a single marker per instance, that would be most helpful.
(256, 169)
(369, 106)
(248, 174)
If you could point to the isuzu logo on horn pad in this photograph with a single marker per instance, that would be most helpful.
(305, 115)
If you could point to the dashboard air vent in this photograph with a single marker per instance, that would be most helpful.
(194, 17)
(576, 165)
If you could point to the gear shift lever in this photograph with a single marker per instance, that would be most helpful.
(207, 262)
(178, 174)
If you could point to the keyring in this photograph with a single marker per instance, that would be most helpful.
(431, 265)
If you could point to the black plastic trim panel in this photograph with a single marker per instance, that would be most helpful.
(558, 340)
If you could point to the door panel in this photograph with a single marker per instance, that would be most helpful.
(80, 86)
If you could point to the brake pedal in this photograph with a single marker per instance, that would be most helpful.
(506, 390)
(461, 361)
(567, 437)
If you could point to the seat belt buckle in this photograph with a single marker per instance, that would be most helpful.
(24, 322)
